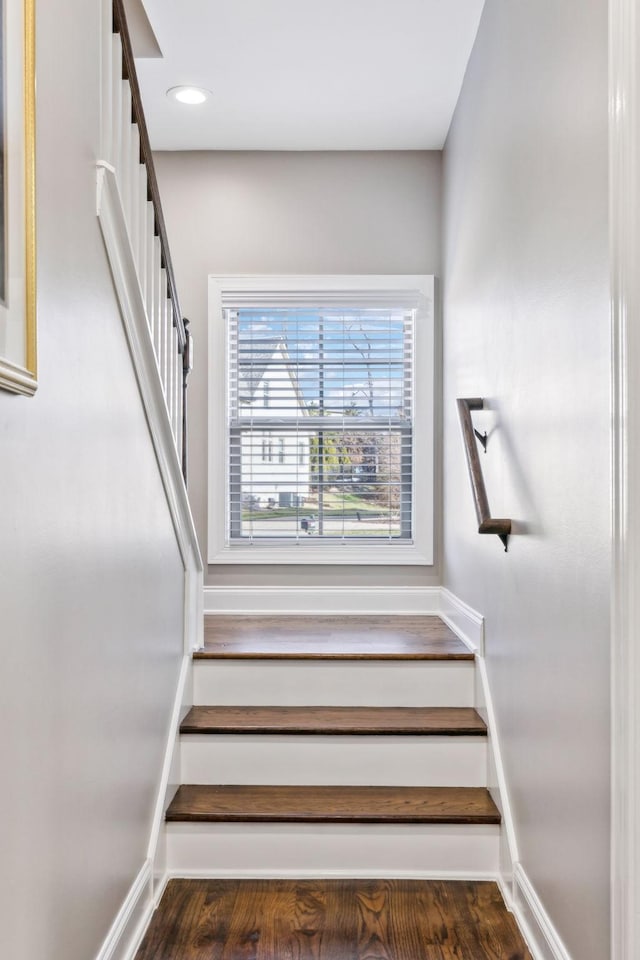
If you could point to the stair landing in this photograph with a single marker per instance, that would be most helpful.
(330, 638)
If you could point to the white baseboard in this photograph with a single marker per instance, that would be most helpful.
(467, 876)
(539, 932)
(319, 600)
(128, 928)
(161, 886)
(466, 622)
(506, 890)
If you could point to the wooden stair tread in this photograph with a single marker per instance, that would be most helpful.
(332, 919)
(330, 638)
(332, 804)
(423, 721)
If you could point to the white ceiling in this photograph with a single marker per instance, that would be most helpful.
(307, 74)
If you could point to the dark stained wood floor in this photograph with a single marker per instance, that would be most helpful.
(260, 803)
(332, 920)
(331, 638)
(422, 721)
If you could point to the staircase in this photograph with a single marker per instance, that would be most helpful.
(332, 746)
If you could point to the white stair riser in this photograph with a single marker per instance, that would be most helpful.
(375, 850)
(383, 760)
(335, 683)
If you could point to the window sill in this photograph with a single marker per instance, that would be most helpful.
(303, 553)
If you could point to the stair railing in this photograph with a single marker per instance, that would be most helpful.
(127, 151)
(486, 523)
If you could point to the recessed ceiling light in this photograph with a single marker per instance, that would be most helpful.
(190, 95)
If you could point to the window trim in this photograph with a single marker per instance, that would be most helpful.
(417, 287)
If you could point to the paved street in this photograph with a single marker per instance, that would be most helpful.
(333, 526)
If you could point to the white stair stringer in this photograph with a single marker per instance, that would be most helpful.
(328, 683)
(364, 760)
(351, 850)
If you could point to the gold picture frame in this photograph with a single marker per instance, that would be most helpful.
(18, 322)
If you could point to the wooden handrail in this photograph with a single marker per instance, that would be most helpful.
(486, 523)
(146, 158)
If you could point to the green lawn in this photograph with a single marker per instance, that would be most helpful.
(335, 505)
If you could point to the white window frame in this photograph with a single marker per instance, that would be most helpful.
(344, 289)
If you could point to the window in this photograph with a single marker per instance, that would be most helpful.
(267, 454)
(322, 440)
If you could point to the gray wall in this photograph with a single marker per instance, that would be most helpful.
(90, 577)
(293, 213)
(526, 323)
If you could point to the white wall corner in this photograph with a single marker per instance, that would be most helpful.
(624, 213)
(322, 600)
(534, 922)
(128, 928)
(465, 622)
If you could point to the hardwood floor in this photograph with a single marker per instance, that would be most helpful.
(419, 721)
(331, 804)
(332, 920)
(331, 638)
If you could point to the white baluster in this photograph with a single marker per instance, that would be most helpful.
(134, 189)
(164, 339)
(158, 302)
(124, 167)
(142, 231)
(179, 407)
(176, 393)
(116, 99)
(171, 367)
(120, 145)
(150, 269)
(106, 68)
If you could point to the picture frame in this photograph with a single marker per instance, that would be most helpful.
(18, 340)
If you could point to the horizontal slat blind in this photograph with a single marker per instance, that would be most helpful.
(320, 421)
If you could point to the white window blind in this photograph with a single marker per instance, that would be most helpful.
(320, 421)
